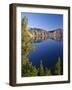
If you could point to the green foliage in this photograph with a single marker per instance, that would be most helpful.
(27, 45)
(24, 23)
(29, 70)
(26, 49)
(34, 71)
(26, 68)
(58, 67)
(47, 72)
(41, 69)
(26, 42)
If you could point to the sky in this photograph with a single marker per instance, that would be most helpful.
(44, 21)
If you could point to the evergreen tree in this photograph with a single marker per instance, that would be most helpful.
(47, 72)
(58, 67)
(26, 41)
(26, 68)
(41, 69)
(26, 47)
(34, 71)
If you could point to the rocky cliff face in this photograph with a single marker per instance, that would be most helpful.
(56, 34)
(40, 34)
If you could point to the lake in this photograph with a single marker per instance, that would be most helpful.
(48, 52)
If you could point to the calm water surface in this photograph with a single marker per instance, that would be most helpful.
(48, 52)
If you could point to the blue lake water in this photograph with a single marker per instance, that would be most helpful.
(48, 52)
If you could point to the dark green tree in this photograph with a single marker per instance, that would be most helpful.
(26, 41)
(26, 47)
(58, 67)
(34, 71)
(26, 68)
(41, 69)
(47, 72)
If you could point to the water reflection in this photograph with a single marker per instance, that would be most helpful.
(41, 39)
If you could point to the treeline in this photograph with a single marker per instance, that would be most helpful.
(27, 68)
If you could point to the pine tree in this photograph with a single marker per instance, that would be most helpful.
(58, 67)
(47, 72)
(27, 68)
(41, 69)
(34, 71)
(26, 47)
(26, 42)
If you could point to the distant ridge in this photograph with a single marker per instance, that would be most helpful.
(56, 29)
(39, 29)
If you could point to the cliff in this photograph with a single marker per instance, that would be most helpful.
(41, 34)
